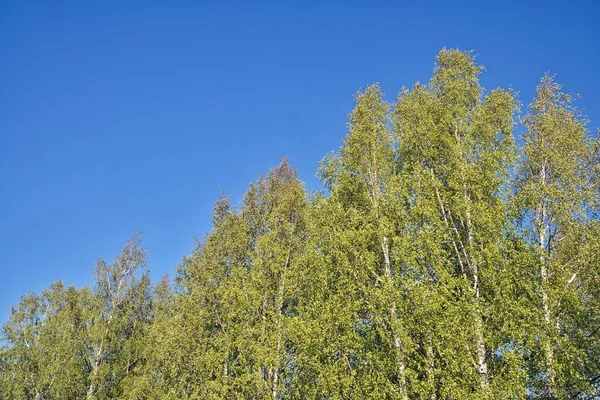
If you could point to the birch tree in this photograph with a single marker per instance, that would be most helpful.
(121, 311)
(557, 194)
(462, 137)
(228, 335)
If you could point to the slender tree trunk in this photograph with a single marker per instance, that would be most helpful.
(450, 225)
(400, 364)
(91, 392)
(543, 231)
(115, 300)
(481, 358)
(90, 395)
(274, 371)
(396, 338)
(482, 367)
(431, 369)
(548, 323)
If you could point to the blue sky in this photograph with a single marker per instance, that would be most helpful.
(125, 116)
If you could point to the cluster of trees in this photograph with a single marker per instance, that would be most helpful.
(447, 259)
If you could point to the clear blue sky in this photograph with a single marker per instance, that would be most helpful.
(119, 116)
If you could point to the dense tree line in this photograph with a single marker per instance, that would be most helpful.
(448, 258)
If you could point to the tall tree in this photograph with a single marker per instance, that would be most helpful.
(45, 333)
(78, 343)
(557, 196)
(463, 138)
(122, 311)
(237, 297)
(360, 303)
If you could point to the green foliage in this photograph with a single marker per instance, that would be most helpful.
(443, 261)
(79, 343)
(557, 198)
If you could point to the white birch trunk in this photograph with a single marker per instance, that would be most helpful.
(396, 338)
(543, 230)
(482, 367)
(431, 369)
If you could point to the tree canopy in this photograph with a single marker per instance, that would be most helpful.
(447, 258)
